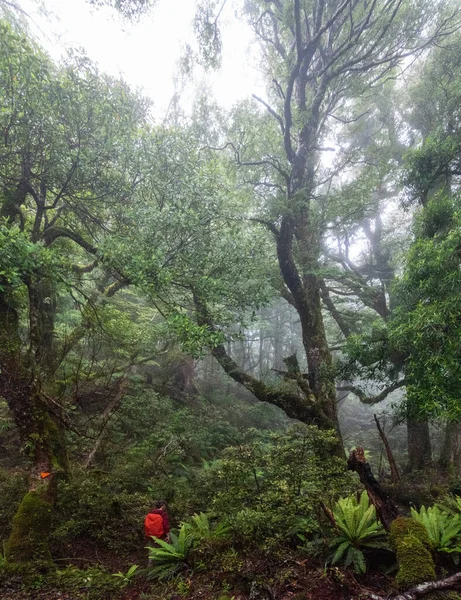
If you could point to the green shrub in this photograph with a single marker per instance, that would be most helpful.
(451, 505)
(269, 490)
(89, 584)
(127, 578)
(359, 530)
(94, 583)
(99, 510)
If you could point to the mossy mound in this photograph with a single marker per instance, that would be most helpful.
(415, 562)
(416, 565)
(402, 527)
(31, 528)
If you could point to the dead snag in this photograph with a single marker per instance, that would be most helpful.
(395, 476)
(386, 510)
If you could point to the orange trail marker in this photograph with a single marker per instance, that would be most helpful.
(44, 475)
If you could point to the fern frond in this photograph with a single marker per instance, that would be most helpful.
(358, 560)
(340, 552)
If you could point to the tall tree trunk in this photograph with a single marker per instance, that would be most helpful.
(42, 312)
(43, 443)
(419, 444)
(298, 243)
(450, 454)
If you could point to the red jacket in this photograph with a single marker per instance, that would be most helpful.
(166, 520)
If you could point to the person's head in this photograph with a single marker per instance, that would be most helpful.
(160, 505)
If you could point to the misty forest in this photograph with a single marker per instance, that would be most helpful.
(241, 321)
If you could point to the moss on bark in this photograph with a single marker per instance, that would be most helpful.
(31, 528)
(57, 443)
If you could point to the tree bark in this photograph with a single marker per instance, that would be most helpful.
(419, 444)
(450, 454)
(386, 510)
(390, 456)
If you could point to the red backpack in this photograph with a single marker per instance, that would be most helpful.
(153, 525)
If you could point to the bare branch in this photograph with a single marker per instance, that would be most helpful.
(272, 112)
(395, 476)
(372, 399)
(295, 406)
(267, 224)
(343, 326)
(110, 410)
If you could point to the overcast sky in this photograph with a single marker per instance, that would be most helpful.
(145, 53)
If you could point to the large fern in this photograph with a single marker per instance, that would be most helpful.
(451, 505)
(169, 558)
(443, 529)
(356, 520)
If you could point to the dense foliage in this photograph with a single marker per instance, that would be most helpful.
(187, 308)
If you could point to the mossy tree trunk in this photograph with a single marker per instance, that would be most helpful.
(40, 433)
(412, 547)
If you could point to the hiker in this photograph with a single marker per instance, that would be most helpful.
(157, 524)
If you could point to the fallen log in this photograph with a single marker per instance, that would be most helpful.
(422, 589)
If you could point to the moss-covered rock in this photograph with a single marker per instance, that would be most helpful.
(30, 534)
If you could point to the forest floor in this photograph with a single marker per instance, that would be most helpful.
(292, 579)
